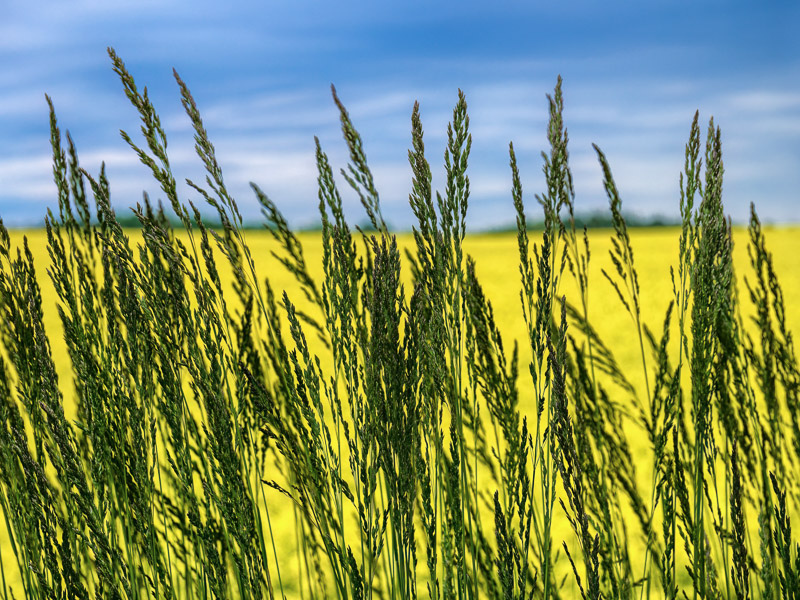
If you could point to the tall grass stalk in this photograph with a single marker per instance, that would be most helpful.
(364, 435)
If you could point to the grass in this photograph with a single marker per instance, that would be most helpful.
(367, 423)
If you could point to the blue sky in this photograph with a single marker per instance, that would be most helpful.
(634, 73)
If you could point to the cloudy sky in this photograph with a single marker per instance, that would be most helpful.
(634, 74)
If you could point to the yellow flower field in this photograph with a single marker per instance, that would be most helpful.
(497, 261)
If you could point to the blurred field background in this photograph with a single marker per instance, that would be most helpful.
(497, 261)
(496, 256)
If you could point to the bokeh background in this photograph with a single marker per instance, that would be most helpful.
(634, 74)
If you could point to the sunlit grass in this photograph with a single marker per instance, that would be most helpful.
(195, 412)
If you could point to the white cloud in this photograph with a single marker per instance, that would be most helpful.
(765, 101)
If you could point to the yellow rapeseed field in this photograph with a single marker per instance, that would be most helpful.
(497, 260)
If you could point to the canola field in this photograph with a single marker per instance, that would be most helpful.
(497, 261)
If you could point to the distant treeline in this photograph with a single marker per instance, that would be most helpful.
(597, 220)
(593, 220)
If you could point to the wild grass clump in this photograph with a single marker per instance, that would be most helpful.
(384, 421)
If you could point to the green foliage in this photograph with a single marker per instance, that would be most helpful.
(402, 456)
